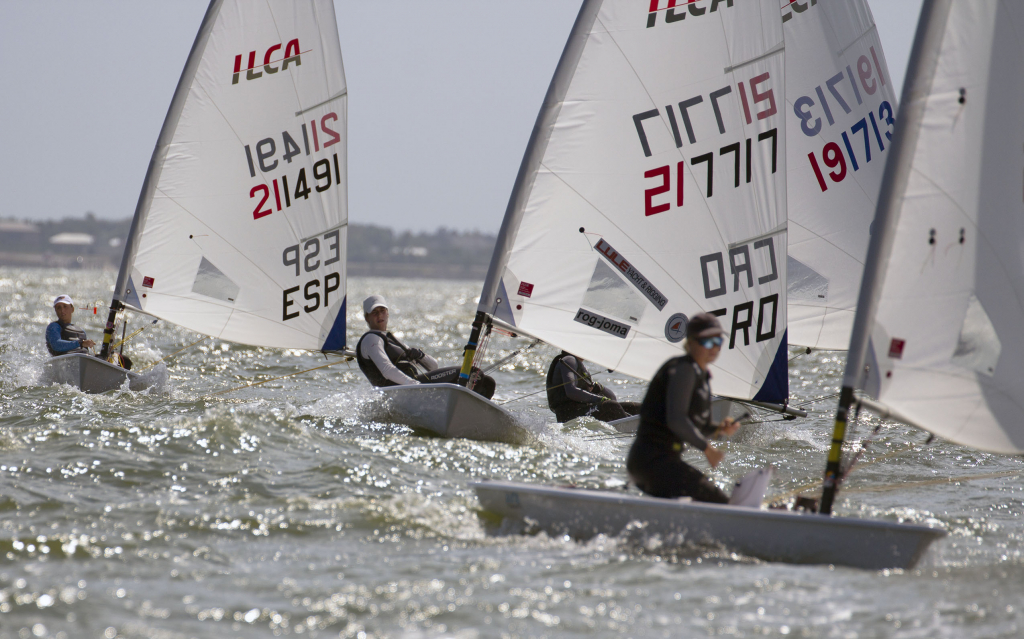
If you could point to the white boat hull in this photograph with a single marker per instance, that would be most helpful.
(771, 535)
(89, 373)
(450, 410)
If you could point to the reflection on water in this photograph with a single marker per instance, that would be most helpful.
(285, 509)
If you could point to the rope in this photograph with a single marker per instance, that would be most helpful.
(543, 390)
(817, 399)
(349, 359)
(125, 340)
(141, 370)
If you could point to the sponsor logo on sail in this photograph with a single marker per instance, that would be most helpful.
(602, 323)
(676, 10)
(271, 58)
(675, 328)
(147, 282)
(525, 289)
(642, 284)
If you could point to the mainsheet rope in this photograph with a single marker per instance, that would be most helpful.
(340, 361)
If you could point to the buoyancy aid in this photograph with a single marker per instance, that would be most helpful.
(71, 333)
(557, 398)
(395, 351)
(653, 429)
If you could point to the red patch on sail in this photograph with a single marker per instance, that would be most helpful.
(896, 348)
(525, 289)
(147, 282)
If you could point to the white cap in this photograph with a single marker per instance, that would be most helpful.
(373, 302)
(63, 299)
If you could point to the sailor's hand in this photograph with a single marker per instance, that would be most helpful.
(87, 343)
(729, 426)
(714, 455)
(415, 354)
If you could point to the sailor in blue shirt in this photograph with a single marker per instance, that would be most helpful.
(63, 337)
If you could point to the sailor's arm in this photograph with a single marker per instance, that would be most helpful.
(428, 362)
(373, 348)
(567, 369)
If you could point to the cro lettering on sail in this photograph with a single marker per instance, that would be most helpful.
(760, 316)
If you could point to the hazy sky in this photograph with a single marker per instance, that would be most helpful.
(443, 95)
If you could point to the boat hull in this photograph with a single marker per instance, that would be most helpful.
(88, 373)
(450, 410)
(771, 535)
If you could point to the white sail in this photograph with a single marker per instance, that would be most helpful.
(653, 189)
(946, 353)
(840, 114)
(240, 231)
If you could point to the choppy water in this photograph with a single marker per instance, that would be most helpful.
(287, 510)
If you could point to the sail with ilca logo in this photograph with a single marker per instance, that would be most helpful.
(240, 229)
(652, 189)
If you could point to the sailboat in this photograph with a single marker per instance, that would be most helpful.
(825, 235)
(240, 229)
(619, 225)
(935, 339)
(939, 302)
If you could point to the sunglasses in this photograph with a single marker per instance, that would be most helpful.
(711, 342)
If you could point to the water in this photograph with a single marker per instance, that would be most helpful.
(286, 510)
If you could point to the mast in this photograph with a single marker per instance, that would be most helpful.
(527, 171)
(916, 89)
(155, 166)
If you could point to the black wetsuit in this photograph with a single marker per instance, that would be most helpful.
(572, 393)
(676, 411)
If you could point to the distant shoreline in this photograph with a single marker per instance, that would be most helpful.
(357, 269)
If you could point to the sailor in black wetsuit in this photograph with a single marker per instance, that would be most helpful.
(677, 411)
(573, 393)
(63, 337)
(388, 362)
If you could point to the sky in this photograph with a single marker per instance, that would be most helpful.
(443, 96)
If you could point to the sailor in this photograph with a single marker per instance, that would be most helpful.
(677, 411)
(573, 393)
(386, 361)
(63, 337)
